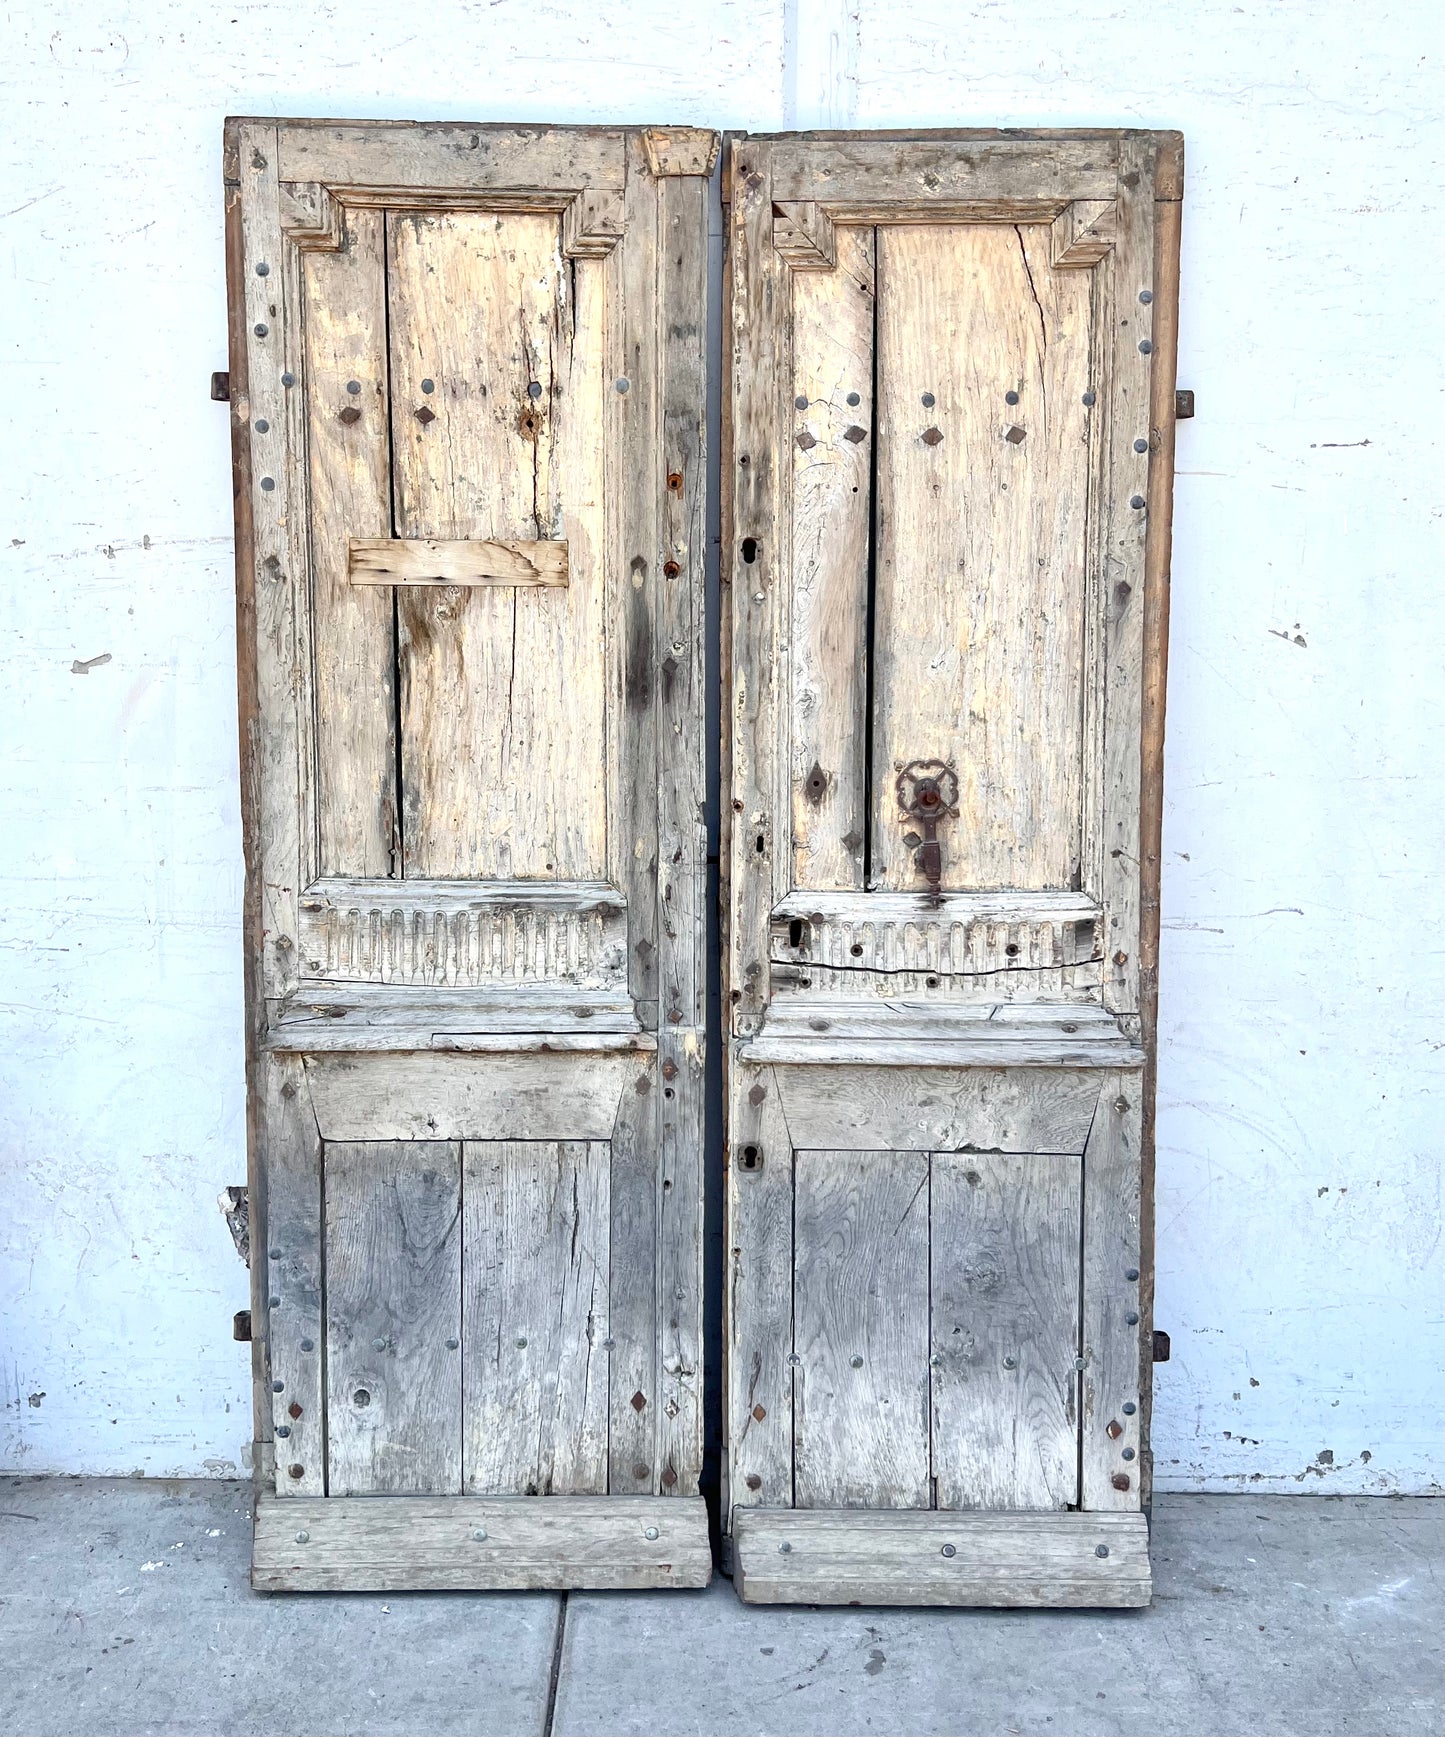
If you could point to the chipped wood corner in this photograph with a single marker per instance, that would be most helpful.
(803, 233)
(680, 150)
(1082, 234)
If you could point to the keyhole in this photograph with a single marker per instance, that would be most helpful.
(750, 550)
(795, 932)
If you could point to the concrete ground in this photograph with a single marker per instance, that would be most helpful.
(125, 1609)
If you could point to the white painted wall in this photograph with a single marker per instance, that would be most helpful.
(1299, 1189)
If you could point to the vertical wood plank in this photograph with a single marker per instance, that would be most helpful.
(633, 1374)
(1005, 1314)
(502, 688)
(759, 341)
(680, 1263)
(1125, 528)
(348, 448)
(393, 1318)
(758, 1308)
(860, 1329)
(286, 1264)
(972, 667)
(1114, 1327)
(832, 504)
(534, 1304)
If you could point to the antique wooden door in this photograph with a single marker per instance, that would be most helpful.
(467, 391)
(947, 477)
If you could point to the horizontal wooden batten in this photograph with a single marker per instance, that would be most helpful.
(850, 1556)
(474, 561)
(1001, 1049)
(479, 1543)
(466, 933)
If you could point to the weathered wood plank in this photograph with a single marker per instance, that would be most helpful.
(348, 448)
(479, 1543)
(286, 1267)
(860, 1330)
(981, 675)
(832, 506)
(1115, 1333)
(1031, 1560)
(534, 1303)
(680, 1272)
(896, 179)
(856, 1108)
(393, 1318)
(1004, 1288)
(539, 1096)
(450, 157)
(634, 1366)
(1124, 511)
(470, 561)
(854, 1017)
(759, 1302)
(1016, 1049)
(502, 689)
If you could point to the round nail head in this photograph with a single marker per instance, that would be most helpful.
(622, 383)
(1146, 296)
(267, 484)
(452, 1344)
(651, 1534)
(303, 1537)
(800, 402)
(949, 1550)
(428, 385)
(1010, 397)
(262, 426)
(1010, 1363)
(1128, 1453)
(785, 1549)
(1145, 347)
(521, 1344)
(378, 1344)
(278, 1387)
(288, 379)
(1132, 1319)
(1136, 501)
(261, 329)
(534, 389)
(1101, 1549)
(929, 401)
(857, 1362)
(1131, 1273)
(1091, 399)
(283, 1430)
(479, 1533)
(1129, 1408)
(853, 398)
(1141, 446)
(353, 387)
(262, 269)
(308, 1344)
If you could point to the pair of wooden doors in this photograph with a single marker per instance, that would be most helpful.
(468, 375)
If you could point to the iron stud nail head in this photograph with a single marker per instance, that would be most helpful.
(607, 1344)
(800, 402)
(1128, 1453)
(283, 1429)
(278, 1387)
(1136, 501)
(1129, 1408)
(622, 383)
(949, 1550)
(260, 329)
(1131, 1274)
(1146, 296)
(1010, 1363)
(308, 1344)
(428, 385)
(378, 1344)
(1132, 1318)
(1145, 347)
(1101, 1549)
(267, 484)
(650, 1534)
(1091, 399)
(853, 398)
(857, 1362)
(262, 269)
(936, 1360)
(452, 1344)
(534, 389)
(521, 1344)
(785, 1549)
(275, 1254)
(479, 1533)
(275, 1302)
(303, 1537)
(1079, 1363)
(353, 387)
(1141, 446)
(262, 426)
(288, 379)
(1010, 397)
(794, 1358)
(929, 401)
(1122, 1104)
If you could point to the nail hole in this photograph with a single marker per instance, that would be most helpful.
(361, 1396)
(856, 950)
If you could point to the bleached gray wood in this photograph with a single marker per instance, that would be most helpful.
(1117, 1351)
(393, 1318)
(526, 1543)
(680, 1276)
(633, 1366)
(286, 1273)
(395, 161)
(908, 178)
(378, 1017)
(759, 1300)
(872, 1109)
(526, 1096)
(534, 1305)
(1005, 1330)
(860, 1330)
(985, 1051)
(1029, 1560)
(813, 1016)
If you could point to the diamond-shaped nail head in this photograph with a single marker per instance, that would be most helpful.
(425, 415)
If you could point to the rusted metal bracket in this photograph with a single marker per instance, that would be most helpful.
(928, 793)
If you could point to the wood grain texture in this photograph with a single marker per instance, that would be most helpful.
(1016, 1050)
(397, 161)
(680, 1264)
(348, 451)
(1116, 1349)
(536, 1096)
(980, 531)
(534, 1303)
(1005, 1330)
(900, 177)
(1031, 1560)
(759, 1301)
(860, 1330)
(393, 1318)
(633, 1369)
(502, 689)
(286, 1271)
(474, 561)
(1081, 235)
(857, 1108)
(832, 508)
(480, 1543)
